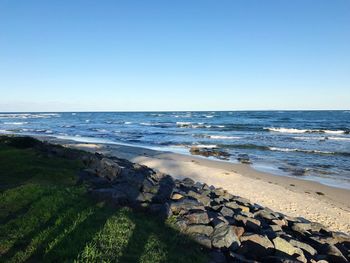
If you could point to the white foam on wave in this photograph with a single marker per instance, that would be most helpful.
(16, 123)
(209, 116)
(127, 122)
(298, 150)
(339, 138)
(223, 137)
(146, 123)
(292, 130)
(28, 115)
(205, 146)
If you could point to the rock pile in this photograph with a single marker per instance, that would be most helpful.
(210, 152)
(232, 228)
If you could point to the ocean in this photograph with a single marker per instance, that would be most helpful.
(312, 145)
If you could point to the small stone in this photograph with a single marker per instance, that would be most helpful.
(177, 196)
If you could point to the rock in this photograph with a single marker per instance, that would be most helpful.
(333, 254)
(177, 196)
(226, 212)
(165, 190)
(200, 217)
(233, 206)
(263, 214)
(161, 210)
(261, 246)
(184, 205)
(203, 240)
(210, 152)
(244, 208)
(301, 228)
(205, 200)
(276, 228)
(239, 231)
(253, 224)
(199, 229)
(218, 221)
(244, 158)
(303, 246)
(284, 247)
(224, 237)
(341, 237)
(108, 169)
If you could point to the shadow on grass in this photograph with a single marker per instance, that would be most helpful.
(62, 223)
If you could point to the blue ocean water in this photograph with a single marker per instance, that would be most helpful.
(282, 142)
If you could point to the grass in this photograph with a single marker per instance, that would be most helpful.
(46, 217)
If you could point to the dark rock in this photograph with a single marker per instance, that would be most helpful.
(303, 246)
(261, 246)
(200, 217)
(302, 228)
(232, 205)
(199, 229)
(225, 237)
(210, 152)
(184, 205)
(333, 254)
(226, 212)
(108, 169)
(205, 200)
(244, 158)
(161, 210)
(203, 240)
(218, 221)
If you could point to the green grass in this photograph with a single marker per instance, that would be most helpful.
(45, 217)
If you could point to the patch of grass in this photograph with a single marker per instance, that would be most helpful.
(45, 217)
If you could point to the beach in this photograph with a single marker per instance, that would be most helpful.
(290, 195)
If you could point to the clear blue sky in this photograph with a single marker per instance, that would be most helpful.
(174, 55)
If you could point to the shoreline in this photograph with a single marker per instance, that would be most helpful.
(292, 196)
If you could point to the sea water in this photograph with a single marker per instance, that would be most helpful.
(313, 145)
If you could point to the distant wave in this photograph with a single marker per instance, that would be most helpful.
(16, 123)
(28, 115)
(292, 130)
(280, 149)
(204, 146)
(306, 138)
(308, 151)
(217, 137)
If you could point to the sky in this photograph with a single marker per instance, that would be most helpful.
(165, 55)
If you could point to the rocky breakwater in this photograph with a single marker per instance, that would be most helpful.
(232, 228)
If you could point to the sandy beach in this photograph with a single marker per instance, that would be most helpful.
(292, 196)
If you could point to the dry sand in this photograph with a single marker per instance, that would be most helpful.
(296, 197)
